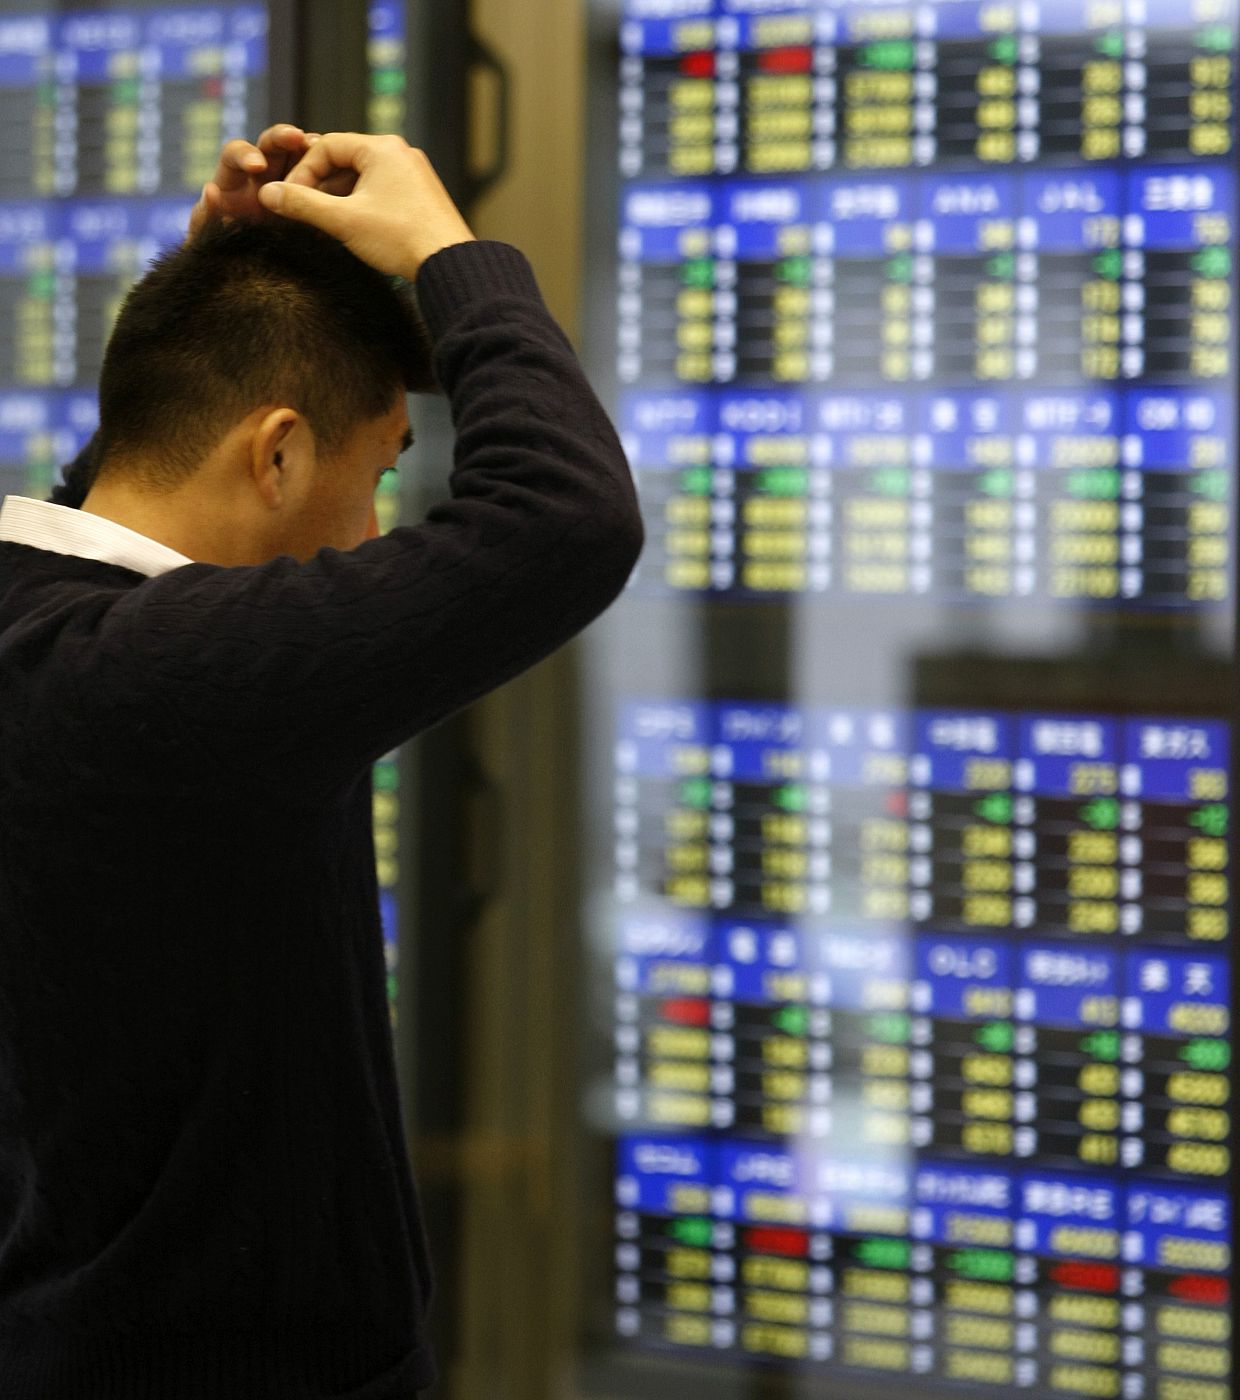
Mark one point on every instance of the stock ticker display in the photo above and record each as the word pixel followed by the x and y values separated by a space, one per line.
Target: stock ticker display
pixel 923 1031
pixel 931 299
pixel 113 121
pixel 388 56
pixel 922 1067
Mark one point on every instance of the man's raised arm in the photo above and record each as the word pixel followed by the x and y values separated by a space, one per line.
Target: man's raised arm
pixel 299 675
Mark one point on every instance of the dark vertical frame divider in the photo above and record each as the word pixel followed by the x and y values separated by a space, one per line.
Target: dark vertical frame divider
pixel 441 778
pixel 319 74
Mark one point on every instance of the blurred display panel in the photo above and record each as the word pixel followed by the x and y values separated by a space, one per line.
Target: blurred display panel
pixel 967 1114
pixel 970 336
pixel 387 828
pixel 919 1057
pixel 113 120
pixel 389 58
pixel 1073 826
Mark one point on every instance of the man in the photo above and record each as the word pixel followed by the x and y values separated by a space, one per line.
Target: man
pixel 204 1187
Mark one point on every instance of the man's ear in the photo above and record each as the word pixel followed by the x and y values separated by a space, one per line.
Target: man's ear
pixel 281 454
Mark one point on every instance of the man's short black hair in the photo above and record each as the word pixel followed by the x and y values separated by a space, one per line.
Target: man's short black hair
pixel 247 315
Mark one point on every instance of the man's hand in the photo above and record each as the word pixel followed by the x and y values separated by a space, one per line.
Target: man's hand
pixel 232 193
pixel 377 195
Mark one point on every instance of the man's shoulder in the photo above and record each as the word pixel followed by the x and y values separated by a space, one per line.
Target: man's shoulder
pixel 50 603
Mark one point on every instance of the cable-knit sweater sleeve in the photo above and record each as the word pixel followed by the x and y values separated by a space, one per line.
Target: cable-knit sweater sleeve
pixel 304 674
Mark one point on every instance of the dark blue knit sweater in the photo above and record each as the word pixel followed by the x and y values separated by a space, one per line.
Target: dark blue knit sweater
pixel 205 1190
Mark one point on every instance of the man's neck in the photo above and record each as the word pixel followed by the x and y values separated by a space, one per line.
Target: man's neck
pixel 178 521
pixel 123 508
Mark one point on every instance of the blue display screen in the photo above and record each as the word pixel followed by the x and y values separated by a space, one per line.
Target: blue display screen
pixel 113 121
pixel 1015 222
pixel 916 718
pixel 923 1028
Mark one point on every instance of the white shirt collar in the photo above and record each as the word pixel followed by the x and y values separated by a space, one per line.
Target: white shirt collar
pixel 63 530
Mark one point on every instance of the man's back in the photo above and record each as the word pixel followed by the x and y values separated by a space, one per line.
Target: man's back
pixel 197 1080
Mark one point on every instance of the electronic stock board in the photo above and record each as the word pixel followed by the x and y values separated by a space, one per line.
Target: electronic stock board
pixel 911 737
pixel 113 120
